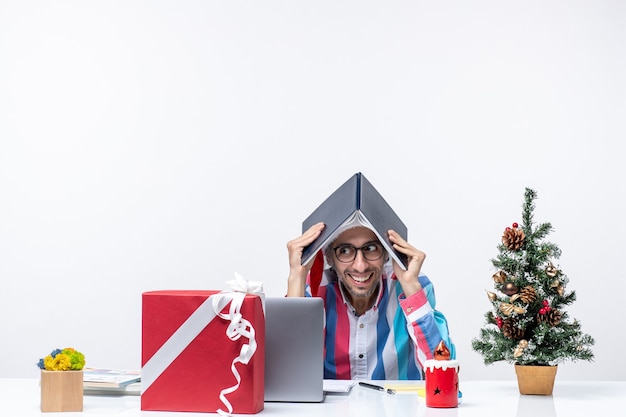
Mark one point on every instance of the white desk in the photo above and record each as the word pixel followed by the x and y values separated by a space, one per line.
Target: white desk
pixel 20 398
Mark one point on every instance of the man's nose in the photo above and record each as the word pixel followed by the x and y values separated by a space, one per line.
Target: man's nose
pixel 359 260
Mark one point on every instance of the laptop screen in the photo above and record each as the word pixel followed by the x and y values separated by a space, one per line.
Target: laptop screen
pixel 294 349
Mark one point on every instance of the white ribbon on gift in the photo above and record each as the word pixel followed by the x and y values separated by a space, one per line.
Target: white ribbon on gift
pixel 237 328
pixel 198 320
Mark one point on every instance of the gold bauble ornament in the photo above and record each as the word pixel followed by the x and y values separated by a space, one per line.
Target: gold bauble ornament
pixel 509 289
pixel 551 270
pixel 556 286
pixel 519 349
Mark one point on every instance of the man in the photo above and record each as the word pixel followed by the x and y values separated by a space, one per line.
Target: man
pixel 381 321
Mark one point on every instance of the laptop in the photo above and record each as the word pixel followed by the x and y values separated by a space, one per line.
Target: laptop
pixel 294 349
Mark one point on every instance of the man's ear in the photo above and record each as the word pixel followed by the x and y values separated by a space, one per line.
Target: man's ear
pixel 328 255
pixel 331 262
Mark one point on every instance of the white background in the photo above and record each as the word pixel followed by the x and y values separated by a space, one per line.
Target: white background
pixel 169 144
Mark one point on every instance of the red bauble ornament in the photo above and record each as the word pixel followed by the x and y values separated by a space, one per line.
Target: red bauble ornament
pixel 499 322
pixel 515 225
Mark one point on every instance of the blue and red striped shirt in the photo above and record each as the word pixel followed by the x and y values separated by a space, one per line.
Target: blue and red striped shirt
pixel 389 341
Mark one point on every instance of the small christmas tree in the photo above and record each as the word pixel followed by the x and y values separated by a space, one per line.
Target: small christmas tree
pixel 528 324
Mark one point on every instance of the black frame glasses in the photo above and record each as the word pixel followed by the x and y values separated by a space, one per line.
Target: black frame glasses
pixel 346 253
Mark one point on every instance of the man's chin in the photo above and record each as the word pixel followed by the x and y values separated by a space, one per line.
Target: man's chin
pixel 360 294
pixel 360 291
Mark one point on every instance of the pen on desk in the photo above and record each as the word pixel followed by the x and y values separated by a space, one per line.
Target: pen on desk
pixel 377 387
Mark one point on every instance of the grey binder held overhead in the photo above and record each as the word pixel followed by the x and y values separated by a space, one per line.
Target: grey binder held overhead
pixel 355 203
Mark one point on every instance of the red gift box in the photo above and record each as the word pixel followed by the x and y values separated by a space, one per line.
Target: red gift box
pixel 189 363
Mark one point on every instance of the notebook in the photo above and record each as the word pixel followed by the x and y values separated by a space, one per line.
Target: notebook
pixel 294 349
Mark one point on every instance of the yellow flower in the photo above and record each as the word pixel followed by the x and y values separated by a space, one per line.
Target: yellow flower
pixel 60 362
pixel 48 362
pixel 63 362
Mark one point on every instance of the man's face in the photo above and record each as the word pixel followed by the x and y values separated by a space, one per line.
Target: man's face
pixel 361 276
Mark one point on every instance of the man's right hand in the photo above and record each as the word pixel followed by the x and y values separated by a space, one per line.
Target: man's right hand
pixel 298 272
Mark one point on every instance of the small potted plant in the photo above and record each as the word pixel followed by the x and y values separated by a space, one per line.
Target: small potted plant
pixel 62 380
pixel 528 325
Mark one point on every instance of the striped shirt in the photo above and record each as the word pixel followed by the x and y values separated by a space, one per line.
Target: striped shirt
pixel 389 341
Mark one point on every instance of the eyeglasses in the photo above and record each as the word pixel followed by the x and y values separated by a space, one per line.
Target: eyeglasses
pixel 372 251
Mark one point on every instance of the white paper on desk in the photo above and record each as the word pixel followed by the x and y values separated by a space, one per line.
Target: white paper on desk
pixel 338 385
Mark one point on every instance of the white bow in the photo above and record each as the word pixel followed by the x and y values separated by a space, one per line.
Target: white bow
pixel 238 327
pixel 241 284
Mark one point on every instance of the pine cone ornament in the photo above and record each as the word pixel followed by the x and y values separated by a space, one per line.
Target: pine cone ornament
pixel 552 317
pixel 510 330
pixel 528 294
pixel 513 238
